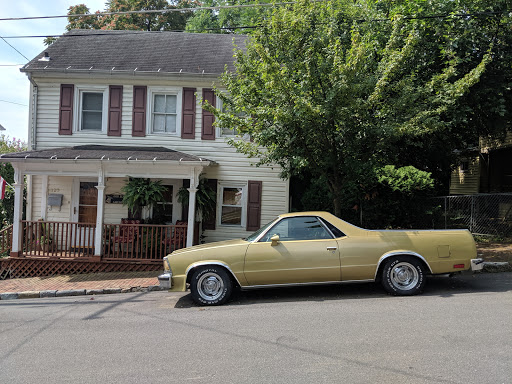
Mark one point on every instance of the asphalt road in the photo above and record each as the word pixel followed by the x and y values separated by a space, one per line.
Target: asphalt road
pixel 458 331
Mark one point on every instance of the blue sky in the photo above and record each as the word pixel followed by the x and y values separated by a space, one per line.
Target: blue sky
pixel 14 85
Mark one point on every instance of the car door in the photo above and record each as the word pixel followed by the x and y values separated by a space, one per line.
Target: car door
pixel 306 252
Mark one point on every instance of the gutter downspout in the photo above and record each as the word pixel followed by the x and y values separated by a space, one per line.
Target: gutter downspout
pixel 32 125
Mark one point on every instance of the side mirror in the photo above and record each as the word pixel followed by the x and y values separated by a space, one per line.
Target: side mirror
pixel 275 240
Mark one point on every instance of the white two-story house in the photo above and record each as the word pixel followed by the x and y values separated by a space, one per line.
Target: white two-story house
pixel 109 105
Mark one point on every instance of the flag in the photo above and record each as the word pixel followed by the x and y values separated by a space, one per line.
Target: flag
pixel 3 183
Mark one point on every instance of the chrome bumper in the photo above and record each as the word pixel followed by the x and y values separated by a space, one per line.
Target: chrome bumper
pixel 165 280
pixel 477 264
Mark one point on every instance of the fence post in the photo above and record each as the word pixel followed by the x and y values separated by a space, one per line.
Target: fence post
pixel 472 214
pixel 445 213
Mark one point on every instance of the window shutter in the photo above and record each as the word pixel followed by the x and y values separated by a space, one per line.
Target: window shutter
pixel 188 118
pixel 207 128
pixel 139 111
pixel 210 223
pixel 66 109
pixel 115 103
pixel 254 205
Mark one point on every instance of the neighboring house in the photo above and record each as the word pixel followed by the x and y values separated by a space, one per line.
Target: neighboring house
pixel 489 170
pixel 106 105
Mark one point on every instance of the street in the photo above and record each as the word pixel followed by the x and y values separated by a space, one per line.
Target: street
pixel 458 331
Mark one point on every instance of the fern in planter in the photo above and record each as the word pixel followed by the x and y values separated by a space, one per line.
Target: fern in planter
pixel 206 199
pixel 140 193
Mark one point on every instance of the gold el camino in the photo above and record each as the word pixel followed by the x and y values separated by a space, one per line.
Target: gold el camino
pixel 317 247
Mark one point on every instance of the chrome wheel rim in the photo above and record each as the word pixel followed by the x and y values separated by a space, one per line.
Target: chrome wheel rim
pixel 404 276
pixel 210 286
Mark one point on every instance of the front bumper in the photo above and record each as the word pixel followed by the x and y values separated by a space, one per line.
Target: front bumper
pixel 477 264
pixel 165 280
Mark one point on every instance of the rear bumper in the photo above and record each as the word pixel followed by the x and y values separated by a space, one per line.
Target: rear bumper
pixel 477 264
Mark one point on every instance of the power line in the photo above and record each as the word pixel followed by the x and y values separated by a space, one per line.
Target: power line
pixel 6 42
pixel 154 11
pixel 12 102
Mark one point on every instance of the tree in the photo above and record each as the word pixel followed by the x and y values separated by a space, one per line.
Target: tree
pixel 228 20
pixel 344 88
pixel 144 22
pixel 8 145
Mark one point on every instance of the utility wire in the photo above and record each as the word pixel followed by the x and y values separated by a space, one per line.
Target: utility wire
pixel 6 42
pixel 12 102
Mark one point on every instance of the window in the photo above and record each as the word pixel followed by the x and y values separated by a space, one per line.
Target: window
pixel 165 116
pixel 227 132
pixel 298 228
pixel 232 205
pixel 162 212
pixel 464 166
pixel 92 109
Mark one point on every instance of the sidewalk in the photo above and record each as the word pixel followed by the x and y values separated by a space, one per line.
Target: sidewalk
pixel 74 285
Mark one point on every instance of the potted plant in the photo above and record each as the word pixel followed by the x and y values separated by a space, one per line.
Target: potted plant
pixel 140 193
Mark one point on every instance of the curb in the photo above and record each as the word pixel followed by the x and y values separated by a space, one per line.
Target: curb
pixel 494 267
pixel 75 292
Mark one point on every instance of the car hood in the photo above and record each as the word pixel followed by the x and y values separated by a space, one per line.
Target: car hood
pixel 216 245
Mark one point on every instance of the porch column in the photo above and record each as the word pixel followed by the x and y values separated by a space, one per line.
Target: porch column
pixel 17 229
pixel 44 197
pixel 100 209
pixel 191 215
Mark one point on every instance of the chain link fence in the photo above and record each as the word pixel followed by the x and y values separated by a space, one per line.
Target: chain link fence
pixel 485 214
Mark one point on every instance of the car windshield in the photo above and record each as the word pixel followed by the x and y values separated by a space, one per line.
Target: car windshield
pixel 255 235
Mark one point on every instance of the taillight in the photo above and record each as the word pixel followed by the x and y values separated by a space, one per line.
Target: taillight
pixel 458 266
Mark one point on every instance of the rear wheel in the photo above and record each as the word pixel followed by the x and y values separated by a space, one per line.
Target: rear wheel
pixel 403 275
pixel 211 285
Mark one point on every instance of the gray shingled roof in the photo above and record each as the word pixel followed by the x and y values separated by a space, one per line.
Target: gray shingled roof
pixel 167 52
pixel 103 152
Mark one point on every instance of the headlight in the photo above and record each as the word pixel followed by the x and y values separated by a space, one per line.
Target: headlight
pixel 167 264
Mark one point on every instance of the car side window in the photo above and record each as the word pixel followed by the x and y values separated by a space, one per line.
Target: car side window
pixel 298 228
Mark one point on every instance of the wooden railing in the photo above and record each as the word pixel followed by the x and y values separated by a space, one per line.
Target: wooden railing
pixel 142 241
pixel 58 239
pixel 5 240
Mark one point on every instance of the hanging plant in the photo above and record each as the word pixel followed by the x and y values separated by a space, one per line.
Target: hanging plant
pixel 140 193
pixel 206 198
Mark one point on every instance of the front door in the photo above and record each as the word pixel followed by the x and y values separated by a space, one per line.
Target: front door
pixel 85 207
pixel 306 253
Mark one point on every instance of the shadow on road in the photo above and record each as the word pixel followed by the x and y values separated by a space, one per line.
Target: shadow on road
pixel 441 286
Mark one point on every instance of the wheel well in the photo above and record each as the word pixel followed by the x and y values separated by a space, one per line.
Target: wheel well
pixel 228 271
pixel 378 275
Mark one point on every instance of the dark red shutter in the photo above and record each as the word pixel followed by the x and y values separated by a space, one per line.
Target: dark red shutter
pixel 188 118
pixel 254 205
pixel 66 109
pixel 115 102
pixel 139 111
pixel 207 128
pixel 210 223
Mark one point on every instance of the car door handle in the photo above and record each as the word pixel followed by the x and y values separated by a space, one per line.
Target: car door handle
pixel 331 248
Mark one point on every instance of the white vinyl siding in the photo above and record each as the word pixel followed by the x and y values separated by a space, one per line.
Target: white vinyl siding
pixel 230 167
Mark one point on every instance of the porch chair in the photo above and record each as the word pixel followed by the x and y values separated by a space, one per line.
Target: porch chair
pixel 128 234
pixel 177 238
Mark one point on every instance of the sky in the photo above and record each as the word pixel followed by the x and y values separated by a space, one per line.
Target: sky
pixel 14 85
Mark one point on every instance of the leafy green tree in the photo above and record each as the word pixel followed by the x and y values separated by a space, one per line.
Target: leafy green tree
pixel 343 88
pixel 144 22
pixel 8 145
pixel 228 20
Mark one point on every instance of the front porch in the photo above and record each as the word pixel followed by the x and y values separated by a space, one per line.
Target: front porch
pixel 86 228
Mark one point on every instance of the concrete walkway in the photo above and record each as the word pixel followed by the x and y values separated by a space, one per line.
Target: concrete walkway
pixel 73 285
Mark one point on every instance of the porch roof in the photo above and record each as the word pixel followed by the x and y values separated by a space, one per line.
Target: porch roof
pixel 106 153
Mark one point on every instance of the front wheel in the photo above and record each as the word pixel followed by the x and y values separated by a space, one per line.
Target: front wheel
pixel 404 276
pixel 211 285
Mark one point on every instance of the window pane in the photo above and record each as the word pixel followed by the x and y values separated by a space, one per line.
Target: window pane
pixel 227 132
pixel 160 103
pixel 159 123
pixel 232 196
pixel 170 123
pixel 92 101
pixel 91 121
pixel 170 104
pixel 298 228
pixel 231 215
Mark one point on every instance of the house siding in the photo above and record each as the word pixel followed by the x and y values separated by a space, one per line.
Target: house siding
pixel 466 182
pixel 231 166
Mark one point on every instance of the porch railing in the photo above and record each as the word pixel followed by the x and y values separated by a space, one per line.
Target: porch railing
pixel 129 242
pixel 5 240
pixel 142 241
pixel 58 239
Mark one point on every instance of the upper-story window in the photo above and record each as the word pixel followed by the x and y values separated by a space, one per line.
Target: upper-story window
pixel 92 109
pixel 165 107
